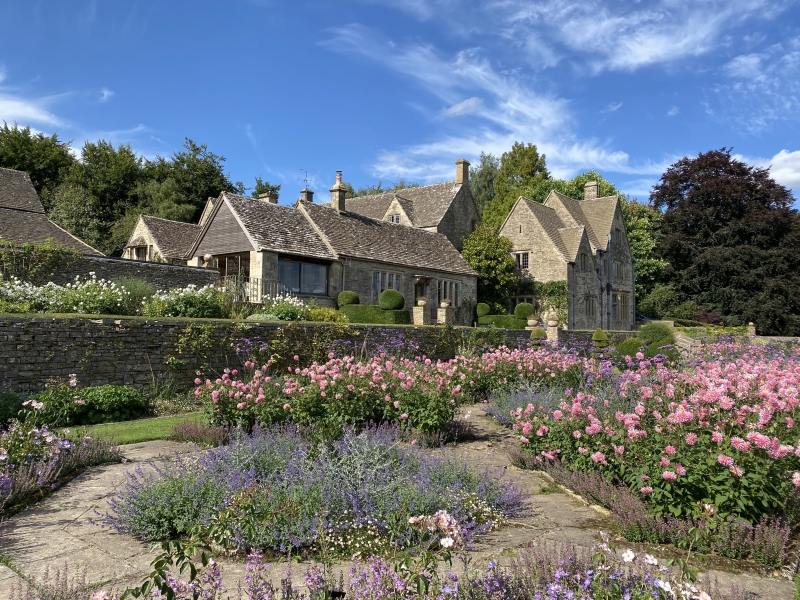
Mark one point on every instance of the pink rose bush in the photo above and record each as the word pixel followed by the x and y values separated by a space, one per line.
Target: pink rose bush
pixel 721 432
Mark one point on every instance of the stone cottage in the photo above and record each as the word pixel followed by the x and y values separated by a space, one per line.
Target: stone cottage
pixel 315 251
pixel 584 243
pixel 22 216
pixel 447 207
pixel 160 240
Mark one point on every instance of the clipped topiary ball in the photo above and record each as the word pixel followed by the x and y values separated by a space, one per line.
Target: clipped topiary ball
pixel 391 300
pixel 537 335
pixel 482 309
pixel 523 310
pixel 656 332
pixel 347 297
pixel 630 347
pixel 600 339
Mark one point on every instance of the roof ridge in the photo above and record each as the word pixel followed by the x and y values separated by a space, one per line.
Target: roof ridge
pixel 169 220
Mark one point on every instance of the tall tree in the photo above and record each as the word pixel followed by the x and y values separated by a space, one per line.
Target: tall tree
pixel 520 167
pixel 42 157
pixel 490 256
pixel 263 187
pixel 75 209
pixel 731 239
pixel 481 180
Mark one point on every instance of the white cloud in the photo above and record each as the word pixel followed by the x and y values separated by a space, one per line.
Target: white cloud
pixel 105 94
pixel 15 109
pixel 613 107
pixel 466 107
pixel 745 66
pixel 784 168
pixel 674 110
pixel 2 72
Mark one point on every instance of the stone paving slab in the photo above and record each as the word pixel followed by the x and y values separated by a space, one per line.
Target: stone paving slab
pixel 58 528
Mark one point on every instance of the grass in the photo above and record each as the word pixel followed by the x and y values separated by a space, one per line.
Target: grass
pixel 132 432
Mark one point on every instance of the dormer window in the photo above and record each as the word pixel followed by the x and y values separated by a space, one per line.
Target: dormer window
pixel 394 218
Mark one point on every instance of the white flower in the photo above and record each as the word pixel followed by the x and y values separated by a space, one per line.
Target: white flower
pixel 628 555
pixel 664 585
pixel 447 542
pixel 650 559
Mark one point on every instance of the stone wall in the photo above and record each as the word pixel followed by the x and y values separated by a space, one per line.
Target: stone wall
pixel 162 275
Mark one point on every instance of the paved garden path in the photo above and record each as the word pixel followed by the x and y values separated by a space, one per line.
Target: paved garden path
pixel 57 529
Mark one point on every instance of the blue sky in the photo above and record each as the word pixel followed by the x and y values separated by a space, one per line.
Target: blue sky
pixel 385 89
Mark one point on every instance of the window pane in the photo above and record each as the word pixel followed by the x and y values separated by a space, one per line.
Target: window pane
pixel 391 281
pixel 288 276
pixel 315 279
pixel 383 281
pixel 375 291
pixel 455 300
pixel 397 282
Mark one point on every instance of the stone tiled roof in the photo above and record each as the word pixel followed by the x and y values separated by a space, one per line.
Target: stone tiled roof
pixel 137 242
pixel 549 221
pixel 355 235
pixel 571 237
pixel 21 226
pixel 278 228
pixel 596 215
pixel 22 216
pixel 173 238
pixel 17 191
pixel 429 202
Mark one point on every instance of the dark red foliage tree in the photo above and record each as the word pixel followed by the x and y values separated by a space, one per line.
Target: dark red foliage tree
pixel 732 240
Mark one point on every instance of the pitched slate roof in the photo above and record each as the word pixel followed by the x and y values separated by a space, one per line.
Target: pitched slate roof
pixel 549 221
pixel 355 235
pixel 571 238
pixel 173 238
pixel 596 215
pixel 277 228
pixel 22 216
pixel 429 203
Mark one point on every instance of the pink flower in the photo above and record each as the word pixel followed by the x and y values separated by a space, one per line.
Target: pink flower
pixel 796 479
pixel 680 469
pixel 557 415
pixel 541 431
pixel 241 405
pixel 397 403
pixel 644 477
pixel 725 461
pixel 296 357
pixel 670 450
pixel 716 437
pixel 576 434
pixel 639 355
pixel 404 416
pixel 691 439
pixel 669 475
pixel 524 440
pixel 737 471
pixel 198 381
pixel 664 461
pixel 286 407
pixel 599 457
pixel 582 450
pixel 739 444
pixel 619 450
pixel 646 490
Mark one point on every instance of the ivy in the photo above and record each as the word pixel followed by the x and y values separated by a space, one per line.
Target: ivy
pixel 36 263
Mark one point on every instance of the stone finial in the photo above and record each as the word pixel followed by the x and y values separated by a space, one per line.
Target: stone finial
pixel 462 171
pixel 751 329
pixel 307 195
pixel 338 193
pixel 270 197
pixel 591 190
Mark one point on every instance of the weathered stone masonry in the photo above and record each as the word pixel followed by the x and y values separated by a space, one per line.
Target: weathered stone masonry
pixel 162 275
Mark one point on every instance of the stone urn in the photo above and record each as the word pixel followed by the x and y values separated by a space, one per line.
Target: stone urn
pixel 552 323
pixel 445 304
pixel 422 301
pixel 533 321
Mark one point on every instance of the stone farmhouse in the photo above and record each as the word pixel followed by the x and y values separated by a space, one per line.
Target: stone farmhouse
pixel 314 250
pixel 160 240
pixel 22 216
pixel 583 242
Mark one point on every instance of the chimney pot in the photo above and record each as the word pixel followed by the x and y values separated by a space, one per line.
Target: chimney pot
pixel 591 190
pixel 462 171
pixel 307 195
pixel 338 192
pixel 270 197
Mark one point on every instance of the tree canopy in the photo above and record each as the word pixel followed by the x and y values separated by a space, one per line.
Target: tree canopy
pixel 490 256
pixel 263 187
pixel 481 180
pixel 730 238
pixel 520 168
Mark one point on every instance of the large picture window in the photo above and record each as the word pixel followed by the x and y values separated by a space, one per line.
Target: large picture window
pixel 296 277
pixel 384 280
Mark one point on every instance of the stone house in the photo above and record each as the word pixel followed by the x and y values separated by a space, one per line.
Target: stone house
pixel 22 216
pixel 584 243
pixel 315 251
pixel 447 207
pixel 160 240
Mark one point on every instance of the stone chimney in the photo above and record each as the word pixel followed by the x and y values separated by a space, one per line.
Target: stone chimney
pixel 338 192
pixel 307 195
pixel 591 190
pixel 271 197
pixel 462 171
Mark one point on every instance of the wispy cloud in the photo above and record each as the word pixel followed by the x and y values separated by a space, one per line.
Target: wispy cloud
pixel 466 107
pixel 16 109
pixel 784 168
pixel 613 107
pixel 105 95
pixel 248 131
pixel 674 110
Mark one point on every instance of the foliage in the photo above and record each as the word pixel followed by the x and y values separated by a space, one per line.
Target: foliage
pixel 630 347
pixel 503 321
pixel 369 190
pixel 523 310
pixel 481 180
pixel 551 296
pixel 263 187
pixel 656 332
pixel 138 291
pixel 730 237
pixel 643 225
pixel 207 302
pixel 268 489
pixel 34 263
pixel 490 256
pixel 574 188
pixel 326 314
pixel 112 403
pixel 521 167
pixel 13 306
pixel 10 406
pixel 347 297
pixel 287 308
pixel 370 313
pixel 90 296
pixel 482 309
pixel 599 338
pixel 391 300
pixel 663 300
pixel 42 157
pixel 76 210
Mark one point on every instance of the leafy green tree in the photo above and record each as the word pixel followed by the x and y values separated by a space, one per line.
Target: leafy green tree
pixel 263 187
pixel 42 157
pixel 730 237
pixel 490 255
pixel 539 190
pixel 369 190
pixel 481 180
pixel 520 168
pixel 75 209
pixel 643 225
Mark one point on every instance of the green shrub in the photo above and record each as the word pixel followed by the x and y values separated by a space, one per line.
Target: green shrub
pixel 664 347
pixel 482 309
pixel 7 306
pixel 369 313
pixel 686 310
pixel 630 347
pixel 599 338
pixel 326 315
pixel 656 332
pixel 347 297
pixel 200 303
pixel 112 403
pixel 391 300
pixel 537 335
pixel 523 310
pixel 10 405
pixel 262 317
pixel 139 291
pixel 503 321
pixel 287 308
